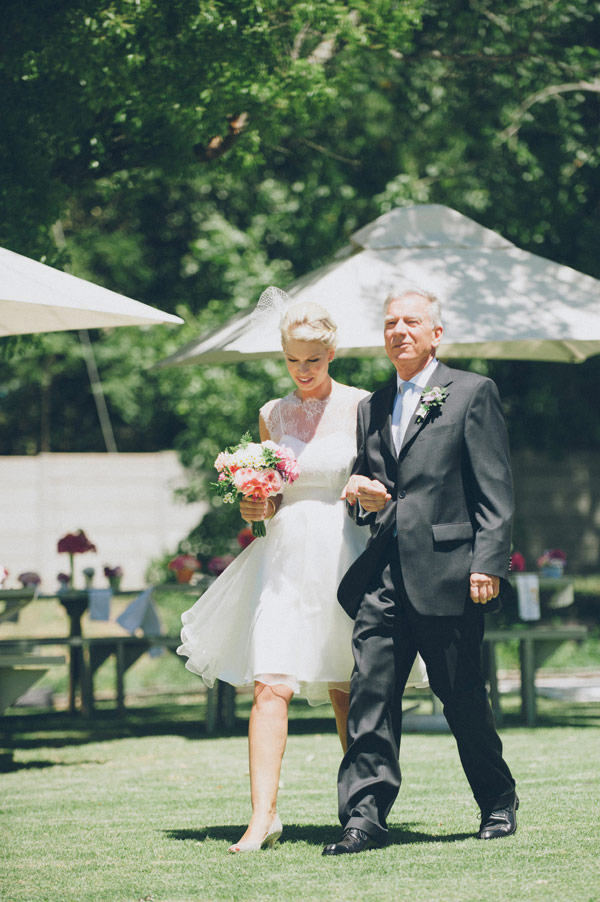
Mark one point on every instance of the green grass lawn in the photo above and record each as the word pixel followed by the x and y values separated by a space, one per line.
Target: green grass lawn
pixel 142 807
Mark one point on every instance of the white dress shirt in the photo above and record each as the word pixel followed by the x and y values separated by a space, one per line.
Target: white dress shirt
pixel 407 401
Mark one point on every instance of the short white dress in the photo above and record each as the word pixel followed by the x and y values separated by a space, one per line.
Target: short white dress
pixel 273 614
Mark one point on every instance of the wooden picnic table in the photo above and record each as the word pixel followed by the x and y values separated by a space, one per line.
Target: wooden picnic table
pixel 536 643
pixel 12 601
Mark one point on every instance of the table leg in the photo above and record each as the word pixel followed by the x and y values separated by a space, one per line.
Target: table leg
pixel 227 706
pixel 75 608
pixel 87 681
pixel 120 655
pixel 211 709
pixel 528 701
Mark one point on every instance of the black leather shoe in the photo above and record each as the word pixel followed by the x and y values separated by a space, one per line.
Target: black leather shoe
pixel 499 822
pixel 353 840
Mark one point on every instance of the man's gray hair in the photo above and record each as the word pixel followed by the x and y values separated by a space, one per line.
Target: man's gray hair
pixel 435 308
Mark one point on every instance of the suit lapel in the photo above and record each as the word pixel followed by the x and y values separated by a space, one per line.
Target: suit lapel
pixel 384 415
pixel 441 376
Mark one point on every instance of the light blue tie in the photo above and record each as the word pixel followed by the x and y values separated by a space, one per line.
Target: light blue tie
pixel 407 403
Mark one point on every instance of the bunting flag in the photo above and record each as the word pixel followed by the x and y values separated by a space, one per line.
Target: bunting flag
pixel 142 614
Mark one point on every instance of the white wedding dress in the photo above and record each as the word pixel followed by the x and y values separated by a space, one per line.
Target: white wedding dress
pixel 273 614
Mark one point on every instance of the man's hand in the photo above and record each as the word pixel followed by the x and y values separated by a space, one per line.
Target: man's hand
pixel 371 493
pixel 484 587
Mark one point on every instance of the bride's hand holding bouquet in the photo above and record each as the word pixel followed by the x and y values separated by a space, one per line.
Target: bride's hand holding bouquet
pixel 255 473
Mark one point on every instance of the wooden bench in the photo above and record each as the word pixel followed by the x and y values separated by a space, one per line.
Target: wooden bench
pixel 18 672
pixel 12 602
pixel 536 644
pixel 220 700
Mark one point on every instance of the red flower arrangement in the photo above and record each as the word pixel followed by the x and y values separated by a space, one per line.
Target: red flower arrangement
pixel 74 543
pixel 217 564
pixel 245 536
pixel 552 562
pixel 184 565
pixel 517 562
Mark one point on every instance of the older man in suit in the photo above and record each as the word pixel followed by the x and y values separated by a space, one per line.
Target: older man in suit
pixel 432 479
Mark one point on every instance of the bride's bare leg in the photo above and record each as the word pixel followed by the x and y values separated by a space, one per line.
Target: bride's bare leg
pixel 267 737
pixel 340 701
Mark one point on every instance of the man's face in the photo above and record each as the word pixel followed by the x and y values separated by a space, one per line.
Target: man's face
pixel 410 337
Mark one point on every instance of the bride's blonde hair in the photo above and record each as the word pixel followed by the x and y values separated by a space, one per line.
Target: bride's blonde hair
pixel 306 321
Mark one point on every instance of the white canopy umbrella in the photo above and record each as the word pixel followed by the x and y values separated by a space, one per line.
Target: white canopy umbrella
pixel 38 298
pixel 497 301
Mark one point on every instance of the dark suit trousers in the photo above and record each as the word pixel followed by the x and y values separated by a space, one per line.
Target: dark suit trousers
pixel 387 634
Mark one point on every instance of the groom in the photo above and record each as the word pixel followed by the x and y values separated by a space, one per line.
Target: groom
pixel 432 479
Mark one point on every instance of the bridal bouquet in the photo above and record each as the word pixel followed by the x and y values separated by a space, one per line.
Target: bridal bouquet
pixel 254 471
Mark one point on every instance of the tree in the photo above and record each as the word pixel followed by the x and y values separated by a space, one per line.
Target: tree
pixel 335 115
pixel 115 91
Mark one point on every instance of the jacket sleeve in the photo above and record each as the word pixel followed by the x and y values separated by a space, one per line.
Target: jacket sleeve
pixel 360 467
pixel 489 478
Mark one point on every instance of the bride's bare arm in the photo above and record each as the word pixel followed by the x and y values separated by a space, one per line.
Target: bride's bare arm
pixel 260 510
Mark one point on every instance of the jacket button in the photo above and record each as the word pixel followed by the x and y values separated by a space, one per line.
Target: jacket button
pixel 402 494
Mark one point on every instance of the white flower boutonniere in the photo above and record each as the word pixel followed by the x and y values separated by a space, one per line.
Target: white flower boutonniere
pixel 431 399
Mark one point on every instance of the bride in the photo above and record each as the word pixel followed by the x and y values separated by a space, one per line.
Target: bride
pixel 272 618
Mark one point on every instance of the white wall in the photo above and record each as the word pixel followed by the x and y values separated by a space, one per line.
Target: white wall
pixel 123 502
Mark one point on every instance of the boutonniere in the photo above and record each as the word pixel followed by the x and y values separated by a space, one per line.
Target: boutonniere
pixel 431 400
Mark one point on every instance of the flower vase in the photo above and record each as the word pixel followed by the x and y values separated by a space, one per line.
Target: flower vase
pixel 553 571
pixel 184 575
pixel 115 583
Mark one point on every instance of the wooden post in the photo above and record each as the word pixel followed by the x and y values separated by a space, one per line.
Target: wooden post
pixel 227 706
pixel 87 680
pixel 528 702
pixel 210 717
pixel 120 662
pixel 75 604
pixel 436 705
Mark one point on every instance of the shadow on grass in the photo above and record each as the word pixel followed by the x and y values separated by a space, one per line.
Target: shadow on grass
pixel 41 729
pixel 316 835
pixel 56 729
pixel 10 766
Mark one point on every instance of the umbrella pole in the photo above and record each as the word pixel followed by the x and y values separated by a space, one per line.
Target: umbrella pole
pixel 96 385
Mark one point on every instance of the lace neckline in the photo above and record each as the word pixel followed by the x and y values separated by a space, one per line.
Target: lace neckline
pixel 291 416
pixel 312 404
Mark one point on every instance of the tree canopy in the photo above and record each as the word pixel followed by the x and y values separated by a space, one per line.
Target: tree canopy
pixel 189 154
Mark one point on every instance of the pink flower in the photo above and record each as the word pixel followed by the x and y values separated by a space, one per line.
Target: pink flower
pixel 185 562
pixel 255 471
pixel 216 565
pixel 288 464
pixel 554 557
pixel 259 484
pixel 221 461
